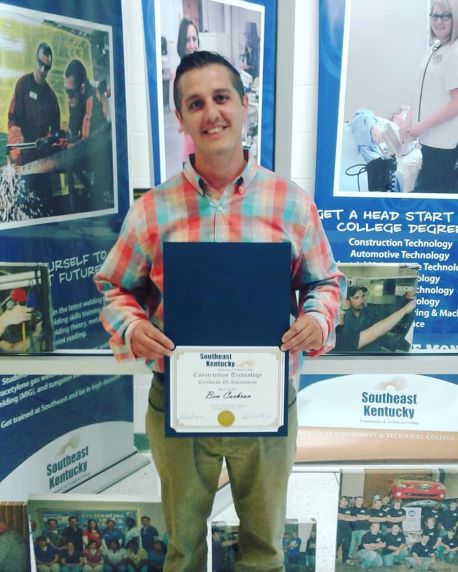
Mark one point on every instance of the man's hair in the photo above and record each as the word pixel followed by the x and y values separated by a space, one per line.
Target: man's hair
pixel 77 71
pixel 45 48
pixel 182 34
pixel 198 60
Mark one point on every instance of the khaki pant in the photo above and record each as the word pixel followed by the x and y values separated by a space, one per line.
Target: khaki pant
pixel 189 469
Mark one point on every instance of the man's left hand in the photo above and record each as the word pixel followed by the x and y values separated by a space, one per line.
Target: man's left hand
pixel 304 335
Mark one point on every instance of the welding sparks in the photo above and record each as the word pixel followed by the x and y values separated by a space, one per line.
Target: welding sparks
pixel 17 202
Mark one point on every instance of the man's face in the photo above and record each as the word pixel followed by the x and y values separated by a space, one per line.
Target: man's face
pixel 52 524
pixel 375 527
pixel 42 67
pixel 359 502
pixel 145 521
pixel 377 504
pixel 212 112
pixel 358 301
pixel 73 522
pixel 110 524
pixel 344 502
pixel 395 529
pixel 72 90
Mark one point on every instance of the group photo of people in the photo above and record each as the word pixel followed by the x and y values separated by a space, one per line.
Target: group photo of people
pixel 398 127
pixel 404 520
pixel 299 546
pixel 98 539
pixel 56 117
pixel 222 26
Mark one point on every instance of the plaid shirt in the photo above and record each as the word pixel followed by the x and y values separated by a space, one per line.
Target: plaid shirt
pixel 258 206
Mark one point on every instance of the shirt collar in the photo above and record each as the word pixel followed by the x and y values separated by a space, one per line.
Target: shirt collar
pixel 241 182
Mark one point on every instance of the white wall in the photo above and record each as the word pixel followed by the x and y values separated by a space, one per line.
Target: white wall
pixel 385 48
pixel 297 89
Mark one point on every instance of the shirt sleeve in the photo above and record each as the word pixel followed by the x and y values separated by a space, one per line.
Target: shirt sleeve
pixel 320 283
pixel 123 281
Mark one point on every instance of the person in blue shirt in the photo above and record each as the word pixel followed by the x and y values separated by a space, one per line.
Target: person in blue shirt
pixel 110 533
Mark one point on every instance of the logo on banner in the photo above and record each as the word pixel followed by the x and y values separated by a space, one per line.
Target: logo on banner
pixel 71 463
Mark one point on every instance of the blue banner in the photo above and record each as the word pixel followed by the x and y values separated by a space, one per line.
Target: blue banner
pixel 378 196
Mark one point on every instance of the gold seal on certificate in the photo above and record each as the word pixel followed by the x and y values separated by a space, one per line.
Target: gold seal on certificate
pixel 227 389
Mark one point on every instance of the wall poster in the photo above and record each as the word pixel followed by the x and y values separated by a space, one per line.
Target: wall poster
pixel 63 195
pixel 242 31
pixel 386 182
pixel 377 417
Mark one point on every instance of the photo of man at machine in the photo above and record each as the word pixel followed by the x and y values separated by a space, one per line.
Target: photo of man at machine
pixel 377 315
pixel 55 118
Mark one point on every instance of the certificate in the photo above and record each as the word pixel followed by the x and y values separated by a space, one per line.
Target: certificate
pixel 225 389
pixel 231 301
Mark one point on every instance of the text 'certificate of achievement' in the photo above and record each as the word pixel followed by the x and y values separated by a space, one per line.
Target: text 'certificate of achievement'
pixel 226 307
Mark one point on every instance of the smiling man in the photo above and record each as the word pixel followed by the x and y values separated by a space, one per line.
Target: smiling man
pixel 222 195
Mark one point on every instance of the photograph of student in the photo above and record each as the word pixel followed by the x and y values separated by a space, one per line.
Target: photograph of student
pixel 33 117
pixel 55 117
pixel 434 117
pixel 368 327
pixel 399 121
pixel 232 30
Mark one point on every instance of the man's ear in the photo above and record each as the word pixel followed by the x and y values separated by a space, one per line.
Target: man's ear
pixel 245 107
pixel 180 121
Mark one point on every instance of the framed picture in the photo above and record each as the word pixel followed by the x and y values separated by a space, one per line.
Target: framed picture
pixel 242 31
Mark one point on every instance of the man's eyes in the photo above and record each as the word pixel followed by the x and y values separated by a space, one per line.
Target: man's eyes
pixel 198 104
pixel 195 105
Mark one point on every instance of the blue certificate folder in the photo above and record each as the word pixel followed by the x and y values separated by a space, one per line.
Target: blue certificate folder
pixel 226 294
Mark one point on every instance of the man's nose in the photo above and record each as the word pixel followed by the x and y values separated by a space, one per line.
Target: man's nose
pixel 212 112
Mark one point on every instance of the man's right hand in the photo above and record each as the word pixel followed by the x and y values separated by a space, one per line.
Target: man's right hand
pixel 147 341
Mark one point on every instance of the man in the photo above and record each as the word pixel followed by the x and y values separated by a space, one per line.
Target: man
pixel 359 526
pixel 73 533
pixel 149 534
pixel 110 533
pixel 52 533
pixel 221 195
pixel 368 327
pixel 395 550
pixel 422 556
pixel 396 514
pixel 376 513
pixel 448 519
pixel 372 545
pixel 46 556
pixel 448 549
pixel 345 520
pixel 33 117
pixel 13 551
pixel 87 127
pixel 34 111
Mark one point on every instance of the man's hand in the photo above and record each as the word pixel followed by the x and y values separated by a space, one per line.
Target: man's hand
pixel 149 342
pixel 304 335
